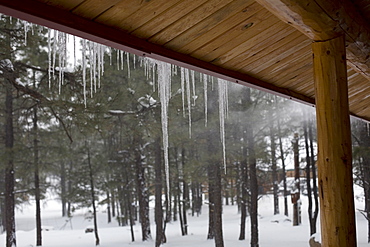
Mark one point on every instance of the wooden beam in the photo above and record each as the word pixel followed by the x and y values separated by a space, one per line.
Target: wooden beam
pixel 52 17
pixel 334 144
pixel 326 19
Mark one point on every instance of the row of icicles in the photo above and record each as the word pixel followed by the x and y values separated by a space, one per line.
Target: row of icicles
pixel 90 56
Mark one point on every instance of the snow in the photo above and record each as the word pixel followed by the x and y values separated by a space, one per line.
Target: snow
pixel 274 230
pixel 118 112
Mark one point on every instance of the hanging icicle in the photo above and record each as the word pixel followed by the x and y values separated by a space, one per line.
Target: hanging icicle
pixel 222 106
pixel 193 86
pixel 183 90
pixel 205 90
pixel 54 49
pixel 128 64
pixel 90 63
pixel 84 69
pixel 164 90
pixel 74 52
pixel 188 97
pixel 49 57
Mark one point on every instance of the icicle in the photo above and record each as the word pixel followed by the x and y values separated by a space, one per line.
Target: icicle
pixel 122 58
pixel 183 90
pixel 62 45
pixel 193 85
pixel 205 90
pixel 118 52
pixel 110 55
pixel 153 70
pixel 164 88
pixel 222 106
pixel 55 46
pixel 99 48
pixel 102 50
pixel 60 66
pixel 227 99
pixel 84 68
pixel 49 56
pixel 74 52
pixel 128 65
pixel 94 53
pixel 91 69
pixel 188 97
pixel 174 69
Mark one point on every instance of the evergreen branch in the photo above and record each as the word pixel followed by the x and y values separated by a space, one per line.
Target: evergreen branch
pixel 62 122
pixel 9 74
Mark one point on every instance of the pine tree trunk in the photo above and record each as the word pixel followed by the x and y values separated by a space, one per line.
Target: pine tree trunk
pixel 37 179
pixel 63 189
pixel 296 192
pixel 211 204
pixel 9 159
pixel 274 171
pixel 175 200
pixel 178 207
pixel 243 198
pixel 9 169
pixel 130 207
pixel 185 194
pixel 113 204
pixel 143 198
pixel 200 198
pixel 365 171
pixel 132 222
pixel 284 171
pixel 158 195
pixel 69 189
pixel 219 241
pixel 109 215
pixel 253 188
pixel 97 240
pixel 314 178
pixel 2 202
pixel 308 178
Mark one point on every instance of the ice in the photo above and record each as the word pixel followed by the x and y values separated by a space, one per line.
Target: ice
pixel 84 69
pixel 222 106
pixel 128 64
pixel 183 90
pixel 188 97
pixel 193 85
pixel 164 88
pixel 205 89
pixel 49 57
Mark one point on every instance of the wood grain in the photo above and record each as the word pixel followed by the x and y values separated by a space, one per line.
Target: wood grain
pixel 334 144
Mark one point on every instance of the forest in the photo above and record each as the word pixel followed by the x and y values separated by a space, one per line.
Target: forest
pixel 99 126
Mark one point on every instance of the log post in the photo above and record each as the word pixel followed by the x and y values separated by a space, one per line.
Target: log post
pixel 334 144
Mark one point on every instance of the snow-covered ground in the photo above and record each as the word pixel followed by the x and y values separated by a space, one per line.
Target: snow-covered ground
pixel 273 230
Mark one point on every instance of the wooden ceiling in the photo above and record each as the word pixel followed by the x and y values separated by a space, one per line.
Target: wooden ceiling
pixel 238 40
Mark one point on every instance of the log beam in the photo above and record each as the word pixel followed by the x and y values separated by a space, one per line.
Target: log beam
pixel 334 144
pixel 326 19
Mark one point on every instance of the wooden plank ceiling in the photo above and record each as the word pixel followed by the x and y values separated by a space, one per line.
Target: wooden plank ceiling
pixel 237 39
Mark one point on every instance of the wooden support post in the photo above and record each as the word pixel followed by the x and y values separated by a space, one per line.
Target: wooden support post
pixel 334 144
